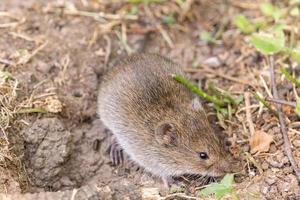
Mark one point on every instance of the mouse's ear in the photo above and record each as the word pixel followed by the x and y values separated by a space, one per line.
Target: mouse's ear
pixel 196 104
pixel 166 134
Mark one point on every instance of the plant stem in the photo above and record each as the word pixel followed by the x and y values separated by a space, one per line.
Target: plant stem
pixel 289 77
pixel 287 144
pixel 31 110
pixel 197 91
pixel 266 104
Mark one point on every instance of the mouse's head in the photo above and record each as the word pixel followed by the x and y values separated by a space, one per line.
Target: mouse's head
pixel 191 144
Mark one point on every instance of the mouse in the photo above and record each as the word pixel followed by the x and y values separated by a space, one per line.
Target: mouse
pixel 159 123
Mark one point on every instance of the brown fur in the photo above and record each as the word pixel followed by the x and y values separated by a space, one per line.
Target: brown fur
pixel 138 97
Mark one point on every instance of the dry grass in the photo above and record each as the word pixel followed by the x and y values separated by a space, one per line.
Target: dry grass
pixel 10 103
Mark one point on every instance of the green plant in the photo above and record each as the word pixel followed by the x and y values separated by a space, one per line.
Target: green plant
pixel 297 109
pixel 4 76
pixel 243 24
pixel 219 190
pixel 271 11
pixel 223 102
pixel 168 19
pixel 207 37
pixel 270 38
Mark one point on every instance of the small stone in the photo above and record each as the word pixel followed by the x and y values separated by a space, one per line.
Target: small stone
pixel 44 67
pixel 150 193
pixel 285 160
pixel 273 189
pixel 270 180
pixel 287 170
pixel 265 189
pixel 296 143
pixel 212 62
pixel 265 166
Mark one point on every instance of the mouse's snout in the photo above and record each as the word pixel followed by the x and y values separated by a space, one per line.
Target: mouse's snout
pixel 226 165
pixel 231 165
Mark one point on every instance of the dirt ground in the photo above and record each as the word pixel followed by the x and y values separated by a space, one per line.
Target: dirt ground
pixel 57 56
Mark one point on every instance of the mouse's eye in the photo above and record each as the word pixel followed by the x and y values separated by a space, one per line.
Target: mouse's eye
pixel 203 155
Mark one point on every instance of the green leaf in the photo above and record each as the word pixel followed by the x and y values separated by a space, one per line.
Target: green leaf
pixel 259 25
pixel 227 180
pixel 5 76
pixel 268 43
pixel 168 19
pixel 271 11
pixel 133 10
pixel 297 109
pixel 219 189
pixel 206 37
pixel 243 24
pixel 289 77
pixel 295 54
pixel 180 2
pixel 267 9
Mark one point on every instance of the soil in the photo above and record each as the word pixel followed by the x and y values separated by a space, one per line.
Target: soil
pixel 66 149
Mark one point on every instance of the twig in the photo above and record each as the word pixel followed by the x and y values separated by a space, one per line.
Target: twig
pixel 196 90
pixel 31 110
pixel 266 104
pixel 283 102
pixel 128 49
pixel 101 16
pixel 107 49
pixel 287 144
pixel 22 36
pixel 6 62
pixel 12 24
pixel 34 52
pixel 216 73
pixel 248 113
pixel 266 86
pixel 244 5
pixel 159 27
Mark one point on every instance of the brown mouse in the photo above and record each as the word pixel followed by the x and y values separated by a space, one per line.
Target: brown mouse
pixel 158 122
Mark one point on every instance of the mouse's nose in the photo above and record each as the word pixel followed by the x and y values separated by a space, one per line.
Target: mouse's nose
pixel 234 166
pixel 231 165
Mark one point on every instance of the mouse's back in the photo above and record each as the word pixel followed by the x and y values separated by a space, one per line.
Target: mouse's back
pixel 136 85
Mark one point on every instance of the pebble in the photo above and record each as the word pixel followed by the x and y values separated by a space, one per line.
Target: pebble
pixel 287 170
pixel 212 62
pixel 265 189
pixel 265 166
pixel 296 143
pixel 270 180
pixel 273 189
pixel 285 160
pixel 44 67
pixel 150 193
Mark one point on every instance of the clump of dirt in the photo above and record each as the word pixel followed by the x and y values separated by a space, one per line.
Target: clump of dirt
pixel 48 146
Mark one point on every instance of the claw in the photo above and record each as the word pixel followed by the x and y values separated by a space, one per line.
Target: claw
pixel 116 154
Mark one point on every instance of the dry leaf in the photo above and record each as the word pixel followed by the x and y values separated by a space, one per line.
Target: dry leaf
pixel 260 142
